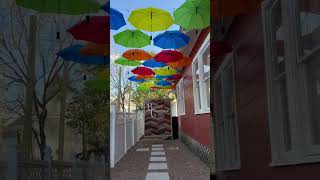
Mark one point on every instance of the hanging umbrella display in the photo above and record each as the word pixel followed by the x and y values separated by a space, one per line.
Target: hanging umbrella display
pixel 171 40
pixel 185 61
pixel 136 54
pixel 163 83
pixel 116 19
pixel 142 71
pixel 125 62
pixel 96 30
pixel 71 7
pixel 165 71
pixel 151 19
pixel 153 64
pixel 132 39
pixel 72 53
pixel 220 49
pixel 167 56
pixel 135 79
pixel 95 49
pixel 193 14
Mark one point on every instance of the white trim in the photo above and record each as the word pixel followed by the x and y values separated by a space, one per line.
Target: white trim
pixel 181 110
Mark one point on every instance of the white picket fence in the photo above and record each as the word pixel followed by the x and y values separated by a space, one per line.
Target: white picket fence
pixel 125 131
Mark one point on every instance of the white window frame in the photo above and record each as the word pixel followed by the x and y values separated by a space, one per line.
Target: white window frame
pixel 198 60
pixel 302 149
pixel 225 153
pixel 181 107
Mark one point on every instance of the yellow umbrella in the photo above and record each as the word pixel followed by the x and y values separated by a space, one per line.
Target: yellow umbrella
pixel 165 71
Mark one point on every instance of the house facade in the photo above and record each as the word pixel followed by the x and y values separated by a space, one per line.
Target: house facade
pixel 266 93
pixel 193 96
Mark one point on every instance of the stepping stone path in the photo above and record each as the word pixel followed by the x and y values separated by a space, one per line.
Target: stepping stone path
pixel 157 164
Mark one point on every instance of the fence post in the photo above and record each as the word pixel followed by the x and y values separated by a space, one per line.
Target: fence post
pixel 12 160
pixel 132 127
pixel 112 134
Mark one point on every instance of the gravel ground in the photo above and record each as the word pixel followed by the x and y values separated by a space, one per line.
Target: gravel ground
pixel 182 164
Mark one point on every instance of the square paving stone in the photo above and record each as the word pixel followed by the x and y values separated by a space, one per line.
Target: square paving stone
pixel 156 158
pixel 157 149
pixel 157 145
pixel 158 153
pixel 142 149
pixel 157 166
pixel 157 176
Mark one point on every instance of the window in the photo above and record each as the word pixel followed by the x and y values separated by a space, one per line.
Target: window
pixel 180 98
pixel 226 125
pixel 201 78
pixel 293 79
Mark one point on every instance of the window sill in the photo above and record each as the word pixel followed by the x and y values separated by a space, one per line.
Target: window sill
pixel 237 168
pixel 306 160
pixel 202 112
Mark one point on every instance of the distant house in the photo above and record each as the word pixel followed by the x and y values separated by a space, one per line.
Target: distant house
pixel 266 93
pixel 193 95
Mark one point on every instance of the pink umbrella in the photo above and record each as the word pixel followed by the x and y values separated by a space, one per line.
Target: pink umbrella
pixel 167 56
pixel 95 29
pixel 142 71
pixel 175 77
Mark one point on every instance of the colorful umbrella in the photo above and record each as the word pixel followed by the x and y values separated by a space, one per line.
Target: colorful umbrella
pixel 165 71
pixel 162 77
pixel 125 62
pixel 151 19
pixel 185 61
pixel 220 49
pixel 153 64
pixel 71 7
pixel 95 49
pixel 147 84
pixel 171 40
pixel 175 77
pixel 143 88
pixel 72 53
pixel 163 83
pixel 193 14
pixel 116 19
pixel 142 71
pixel 167 56
pixel 96 30
pixel 132 39
pixel 145 77
pixel 135 79
pixel 136 54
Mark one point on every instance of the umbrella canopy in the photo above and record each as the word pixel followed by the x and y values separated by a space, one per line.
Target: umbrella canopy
pixel 94 49
pixel 162 77
pixel 71 7
pixel 132 39
pixel 171 40
pixel 135 79
pixel 142 71
pixel 167 56
pixel 147 84
pixel 153 63
pixel 165 71
pixel 116 19
pixel 142 88
pixel 95 30
pixel 164 83
pixel 193 14
pixel 220 49
pixel 136 54
pixel 151 19
pixel 185 61
pixel 145 77
pixel 125 62
pixel 72 53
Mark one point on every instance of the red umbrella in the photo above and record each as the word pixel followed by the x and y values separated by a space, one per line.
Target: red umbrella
pixel 95 29
pixel 220 49
pixel 142 71
pixel 175 77
pixel 167 56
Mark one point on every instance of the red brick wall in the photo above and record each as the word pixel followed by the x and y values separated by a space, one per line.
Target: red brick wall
pixel 255 148
pixel 194 126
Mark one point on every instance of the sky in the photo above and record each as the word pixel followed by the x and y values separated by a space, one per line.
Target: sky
pixel 126 6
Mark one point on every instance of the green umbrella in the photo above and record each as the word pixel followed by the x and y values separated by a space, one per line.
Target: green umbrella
pixel 193 14
pixel 125 62
pixel 132 39
pixel 142 88
pixel 71 7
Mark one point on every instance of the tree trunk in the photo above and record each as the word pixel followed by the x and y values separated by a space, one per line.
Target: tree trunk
pixel 28 115
pixel 42 133
pixel 119 90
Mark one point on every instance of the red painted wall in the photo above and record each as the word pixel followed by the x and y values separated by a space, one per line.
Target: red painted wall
pixel 251 95
pixel 194 126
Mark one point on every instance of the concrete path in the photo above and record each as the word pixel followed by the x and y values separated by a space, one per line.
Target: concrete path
pixel 153 159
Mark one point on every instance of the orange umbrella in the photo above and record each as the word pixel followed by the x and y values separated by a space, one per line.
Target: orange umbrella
pixel 136 54
pixel 185 61
pixel 145 76
pixel 223 8
pixel 93 49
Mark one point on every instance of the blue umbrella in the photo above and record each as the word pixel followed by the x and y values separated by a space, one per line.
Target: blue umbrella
pixel 153 63
pixel 134 79
pixel 164 83
pixel 106 7
pixel 171 40
pixel 116 19
pixel 72 53
pixel 162 77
